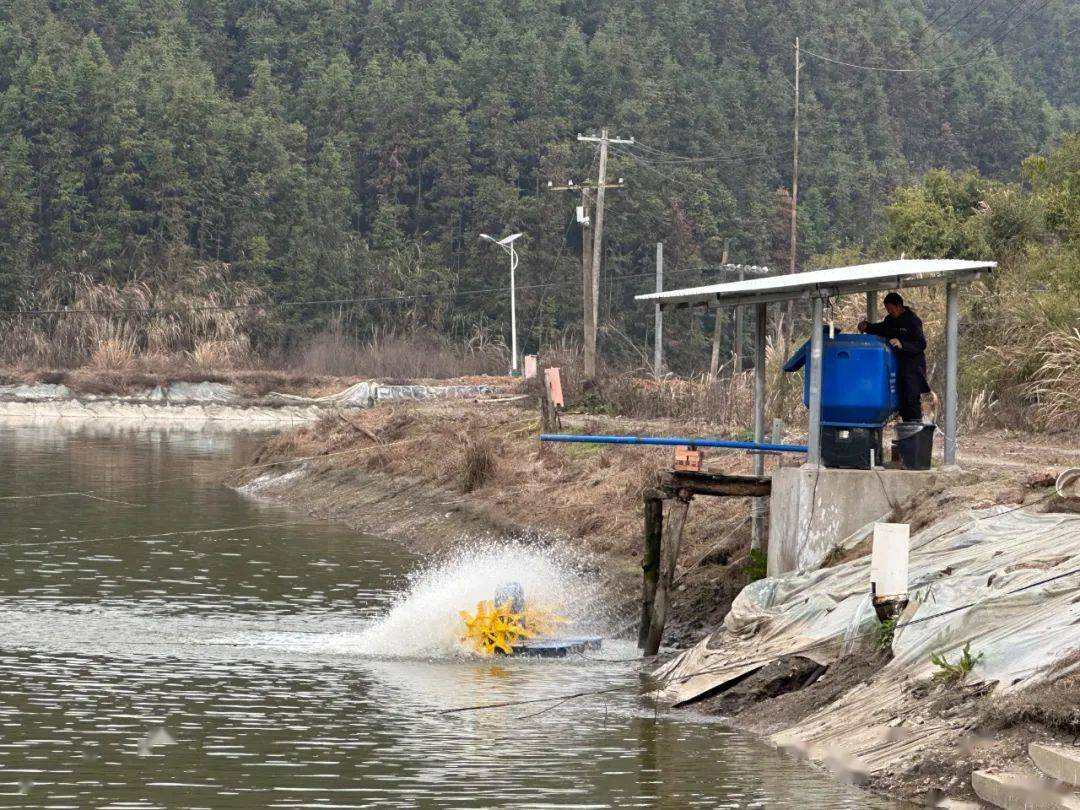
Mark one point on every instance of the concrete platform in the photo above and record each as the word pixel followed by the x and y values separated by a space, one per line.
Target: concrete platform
pixel 1058 761
pixel 1021 791
pixel 812 510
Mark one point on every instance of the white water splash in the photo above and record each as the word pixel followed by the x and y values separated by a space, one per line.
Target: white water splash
pixel 425 620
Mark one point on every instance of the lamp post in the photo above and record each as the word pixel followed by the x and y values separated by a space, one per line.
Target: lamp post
pixel 507 244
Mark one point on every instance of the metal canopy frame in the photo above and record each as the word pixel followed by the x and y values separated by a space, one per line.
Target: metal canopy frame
pixel 816 287
pixel 860 278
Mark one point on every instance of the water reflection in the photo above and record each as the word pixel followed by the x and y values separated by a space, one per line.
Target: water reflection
pixel 215 669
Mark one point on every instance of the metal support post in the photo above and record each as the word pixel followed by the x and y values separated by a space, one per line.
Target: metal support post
pixel 513 314
pixel 658 341
pixel 813 455
pixel 871 307
pixel 757 508
pixel 952 340
pixel 740 329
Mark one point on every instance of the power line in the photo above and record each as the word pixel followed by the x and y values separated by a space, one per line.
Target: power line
pixel 938 67
pixel 987 29
pixel 672 158
pixel 877 68
pixel 1012 28
pixel 286 304
pixel 978 53
pixel 922 48
pixel 944 10
pixel 684 186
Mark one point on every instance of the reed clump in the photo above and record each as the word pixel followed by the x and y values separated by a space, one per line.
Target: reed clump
pixel 479 464
pixel 202 318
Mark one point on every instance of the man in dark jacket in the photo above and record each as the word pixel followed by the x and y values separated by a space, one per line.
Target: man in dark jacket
pixel 904 331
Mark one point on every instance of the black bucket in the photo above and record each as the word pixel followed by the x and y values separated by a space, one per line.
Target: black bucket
pixel 914 445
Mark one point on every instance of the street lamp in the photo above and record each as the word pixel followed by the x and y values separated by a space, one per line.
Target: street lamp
pixel 507 244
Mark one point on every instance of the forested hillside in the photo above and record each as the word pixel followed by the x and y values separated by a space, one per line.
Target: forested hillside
pixel 340 149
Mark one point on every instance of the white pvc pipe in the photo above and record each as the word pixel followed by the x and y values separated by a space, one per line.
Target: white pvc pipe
pixel 889 559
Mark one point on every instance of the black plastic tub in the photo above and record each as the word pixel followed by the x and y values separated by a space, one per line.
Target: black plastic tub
pixel 914 445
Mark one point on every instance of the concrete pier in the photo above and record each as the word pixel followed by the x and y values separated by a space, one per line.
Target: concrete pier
pixel 813 509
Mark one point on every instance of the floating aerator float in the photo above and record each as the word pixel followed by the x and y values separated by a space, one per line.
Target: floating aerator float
pixel 508 625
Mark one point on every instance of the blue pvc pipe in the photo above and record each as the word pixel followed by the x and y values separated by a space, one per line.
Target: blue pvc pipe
pixel 760 447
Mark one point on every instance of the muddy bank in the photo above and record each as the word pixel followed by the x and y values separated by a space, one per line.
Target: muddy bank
pixel 982 730
pixel 419 515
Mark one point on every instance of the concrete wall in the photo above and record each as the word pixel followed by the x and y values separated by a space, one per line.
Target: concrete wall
pixel 813 510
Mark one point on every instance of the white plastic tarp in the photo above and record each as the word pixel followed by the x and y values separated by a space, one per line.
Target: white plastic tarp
pixel 35 391
pixel 1007 582
pixel 367 394
pixel 359 395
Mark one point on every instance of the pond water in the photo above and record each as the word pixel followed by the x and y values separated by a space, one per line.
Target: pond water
pixel 168 642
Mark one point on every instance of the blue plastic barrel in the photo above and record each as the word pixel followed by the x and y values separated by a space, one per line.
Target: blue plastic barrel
pixel 858 380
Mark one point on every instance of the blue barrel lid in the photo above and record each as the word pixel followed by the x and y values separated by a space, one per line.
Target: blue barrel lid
pixel 798 360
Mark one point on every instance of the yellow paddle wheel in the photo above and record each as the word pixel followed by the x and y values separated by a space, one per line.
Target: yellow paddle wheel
pixel 499 629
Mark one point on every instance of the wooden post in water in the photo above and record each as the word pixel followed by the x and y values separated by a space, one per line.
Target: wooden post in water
pixel 650 563
pixel 672 534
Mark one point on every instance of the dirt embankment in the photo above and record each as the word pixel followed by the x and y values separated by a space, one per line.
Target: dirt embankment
pixel 432 472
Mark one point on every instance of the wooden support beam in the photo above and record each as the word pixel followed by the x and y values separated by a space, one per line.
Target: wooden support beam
pixel 650 563
pixel 717 484
pixel 672 539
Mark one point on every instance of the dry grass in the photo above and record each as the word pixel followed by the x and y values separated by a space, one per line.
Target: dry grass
pixel 1056 383
pixel 221 354
pixel 114 354
pixel 204 315
pixel 1055 705
pixel 478 465
pixel 396 356
pixel 726 404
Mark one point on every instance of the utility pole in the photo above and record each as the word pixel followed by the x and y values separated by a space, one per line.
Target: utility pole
pixel 598 240
pixel 588 309
pixel 794 190
pixel 658 340
pixel 589 286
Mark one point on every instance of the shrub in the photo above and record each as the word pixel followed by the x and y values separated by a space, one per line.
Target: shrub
pixel 478 466
pixel 948 672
